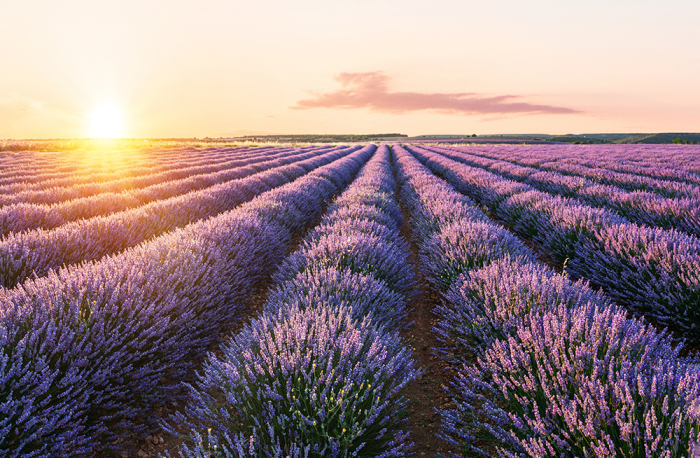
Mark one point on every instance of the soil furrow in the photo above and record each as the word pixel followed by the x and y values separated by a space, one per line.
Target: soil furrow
pixel 428 391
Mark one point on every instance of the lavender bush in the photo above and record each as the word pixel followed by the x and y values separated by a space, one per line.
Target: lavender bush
pixel 579 382
pixel 465 245
pixel 490 304
pixel 314 383
pixel 653 271
pixel 362 212
pixel 361 294
pixel 359 253
pixel 375 225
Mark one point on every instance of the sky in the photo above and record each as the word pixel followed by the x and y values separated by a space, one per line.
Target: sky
pixel 176 68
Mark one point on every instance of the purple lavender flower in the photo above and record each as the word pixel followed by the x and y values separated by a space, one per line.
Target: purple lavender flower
pixel 579 382
pixel 490 303
pixel 312 379
pixel 359 253
pixel 465 245
pixel 363 294
pixel 653 271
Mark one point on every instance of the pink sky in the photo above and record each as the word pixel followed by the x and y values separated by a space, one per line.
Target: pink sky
pixel 220 68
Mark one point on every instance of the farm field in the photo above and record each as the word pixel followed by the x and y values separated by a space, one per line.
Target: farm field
pixel 351 300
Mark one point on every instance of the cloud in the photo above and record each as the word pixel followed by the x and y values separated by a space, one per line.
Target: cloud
pixel 370 90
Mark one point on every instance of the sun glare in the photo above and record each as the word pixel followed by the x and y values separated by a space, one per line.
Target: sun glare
pixel 106 121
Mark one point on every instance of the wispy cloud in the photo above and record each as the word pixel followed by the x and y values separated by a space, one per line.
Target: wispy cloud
pixel 370 90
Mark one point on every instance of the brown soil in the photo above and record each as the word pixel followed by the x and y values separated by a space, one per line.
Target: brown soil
pixel 427 392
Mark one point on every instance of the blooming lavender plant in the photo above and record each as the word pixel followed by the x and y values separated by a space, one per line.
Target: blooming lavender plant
pixel 361 212
pixel 361 294
pixel 335 225
pixel 312 382
pixel 374 193
pixel 490 304
pixel 465 245
pixel 655 272
pixel 359 253
pixel 579 382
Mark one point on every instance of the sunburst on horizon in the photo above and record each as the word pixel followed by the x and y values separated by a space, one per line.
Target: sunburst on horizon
pixel 106 121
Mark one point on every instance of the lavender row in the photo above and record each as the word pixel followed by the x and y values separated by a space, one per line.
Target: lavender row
pixel 529 345
pixel 127 168
pixel 319 373
pixel 640 207
pixel 40 251
pixel 512 161
pixel 667 162
pixel 56 194
pixel 92 350
pixel 106 174
pixel 654 272
pixel 662 162
pixel 57 165
pixel 38 167
pixel 48 161
pixel 630 165
pixel 24 216
pixel 550 158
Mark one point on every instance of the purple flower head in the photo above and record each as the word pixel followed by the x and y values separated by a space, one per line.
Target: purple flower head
pixel 653 271
pixel 324 287
pixel 359 253
pixel 463 246
pixel 491 303
pixel 580 382
pixel 307 379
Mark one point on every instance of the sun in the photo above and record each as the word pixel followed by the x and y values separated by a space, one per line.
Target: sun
pixel 106 121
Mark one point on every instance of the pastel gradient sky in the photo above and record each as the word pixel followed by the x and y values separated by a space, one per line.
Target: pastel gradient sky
pixel 224 68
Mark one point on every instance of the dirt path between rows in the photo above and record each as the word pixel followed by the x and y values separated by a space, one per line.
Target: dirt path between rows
pixel 428 391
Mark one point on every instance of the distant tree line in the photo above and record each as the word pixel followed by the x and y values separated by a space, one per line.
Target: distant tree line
pixel 680 141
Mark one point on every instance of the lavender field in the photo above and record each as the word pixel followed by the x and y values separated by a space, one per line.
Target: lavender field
pixel 355 300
